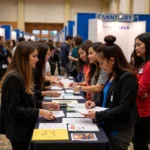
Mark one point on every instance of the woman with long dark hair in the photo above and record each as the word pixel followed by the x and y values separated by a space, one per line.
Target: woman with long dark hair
pixel 118 95
pixel 142 65
pixel 19 108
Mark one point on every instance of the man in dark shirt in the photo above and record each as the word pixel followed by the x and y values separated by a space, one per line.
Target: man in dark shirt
pixel 64 53
pixel 3 57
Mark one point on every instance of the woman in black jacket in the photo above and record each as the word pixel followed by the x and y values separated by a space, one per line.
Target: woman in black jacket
pixel 19 108
pixel 119 96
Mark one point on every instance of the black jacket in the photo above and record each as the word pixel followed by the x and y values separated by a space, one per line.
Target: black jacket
pixel 3 58
pixel 19 111
pixel 121 101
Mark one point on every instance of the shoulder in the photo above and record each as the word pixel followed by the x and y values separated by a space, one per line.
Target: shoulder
pixel 13 78
pixel 127 77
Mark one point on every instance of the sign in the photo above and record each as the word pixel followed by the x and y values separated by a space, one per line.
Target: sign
pixel 115 17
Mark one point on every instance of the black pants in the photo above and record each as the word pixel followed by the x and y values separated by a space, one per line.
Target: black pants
pixel 141 134
pixel 122 139
pixel 19 145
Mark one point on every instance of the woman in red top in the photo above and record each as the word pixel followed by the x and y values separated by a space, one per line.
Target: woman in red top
pixel 142 63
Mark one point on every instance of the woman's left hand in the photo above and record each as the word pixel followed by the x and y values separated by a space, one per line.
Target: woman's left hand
pixel 53 105
pixel 90 114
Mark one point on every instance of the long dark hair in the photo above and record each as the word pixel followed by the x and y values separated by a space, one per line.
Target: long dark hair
pixel 42 51
pixel 20 64
pixel 145 38
pixel 81 63
pixel 110 49
pixel 94 69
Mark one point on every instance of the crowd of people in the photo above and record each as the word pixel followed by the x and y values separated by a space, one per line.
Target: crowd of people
pixel 101 72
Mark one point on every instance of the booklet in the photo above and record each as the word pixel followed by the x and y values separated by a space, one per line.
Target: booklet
pixel 83 137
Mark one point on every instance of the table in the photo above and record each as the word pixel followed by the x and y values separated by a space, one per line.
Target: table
pixel 102 143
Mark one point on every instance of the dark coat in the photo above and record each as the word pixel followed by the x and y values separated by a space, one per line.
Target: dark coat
pixel 121 101
pixel 19 111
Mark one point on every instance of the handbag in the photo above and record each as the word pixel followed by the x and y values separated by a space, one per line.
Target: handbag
pixel 71 66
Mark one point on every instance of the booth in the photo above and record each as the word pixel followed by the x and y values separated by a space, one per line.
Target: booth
pixel 70 28
pixel 82 21
pixel 14 35
pixel 17 33
pixel 2 32
pixel 125 33
pixel 8 31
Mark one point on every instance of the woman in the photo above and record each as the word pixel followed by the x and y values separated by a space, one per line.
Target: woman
pixel 19 108
pixel 142 63
pixel 8 47
pixel 97 77
pixel 118 95
pixel 39 73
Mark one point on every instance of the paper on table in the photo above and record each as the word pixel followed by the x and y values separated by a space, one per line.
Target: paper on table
pixel 61 92
pixel 52 126
pixel 67 94
pixel 65 101
pixel 58 114
pixel 73 97
pixel 50 134
pixel 70 109
pixel 74 115
pixel 85 111
pixel 77 120
pixel 49 97
pixel 83 127
pixel 56 88
pixel 83 136
pixel 69 91
pixel 79 105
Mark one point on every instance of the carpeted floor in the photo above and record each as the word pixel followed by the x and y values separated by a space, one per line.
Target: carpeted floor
pixel 4 143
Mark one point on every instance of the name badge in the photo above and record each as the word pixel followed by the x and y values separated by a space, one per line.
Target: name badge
pixel 140 71
pixel 111 98
pixel 4 66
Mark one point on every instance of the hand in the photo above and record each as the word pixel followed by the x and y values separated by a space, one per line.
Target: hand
pixel 54 94
pixel 89 104
pixel 90 114
pixel 76 88
pixel 46 114
pixel 52 105
pixel 73 84
pixel 58 83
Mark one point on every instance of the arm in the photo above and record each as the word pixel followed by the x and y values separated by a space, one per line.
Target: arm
pixel 128 91
pixel 144 82
pixel 14 98
pixel 92 89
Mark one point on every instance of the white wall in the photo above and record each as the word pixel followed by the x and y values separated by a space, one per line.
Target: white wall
pixel 44 11
pixel 111 6
pixel 8 10
pixel 138 6
pixel 123 6
pixel 84 6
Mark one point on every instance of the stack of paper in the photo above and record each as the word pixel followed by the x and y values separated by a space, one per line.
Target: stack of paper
pixel 50 98
pixel 56 88
pixel 85 111
pixel 65 101
pixel 83 127
pixel 58 114
pixel 77 120
pixel 74 115
pixel 73 97
pixel 52 126
pixel 79 105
